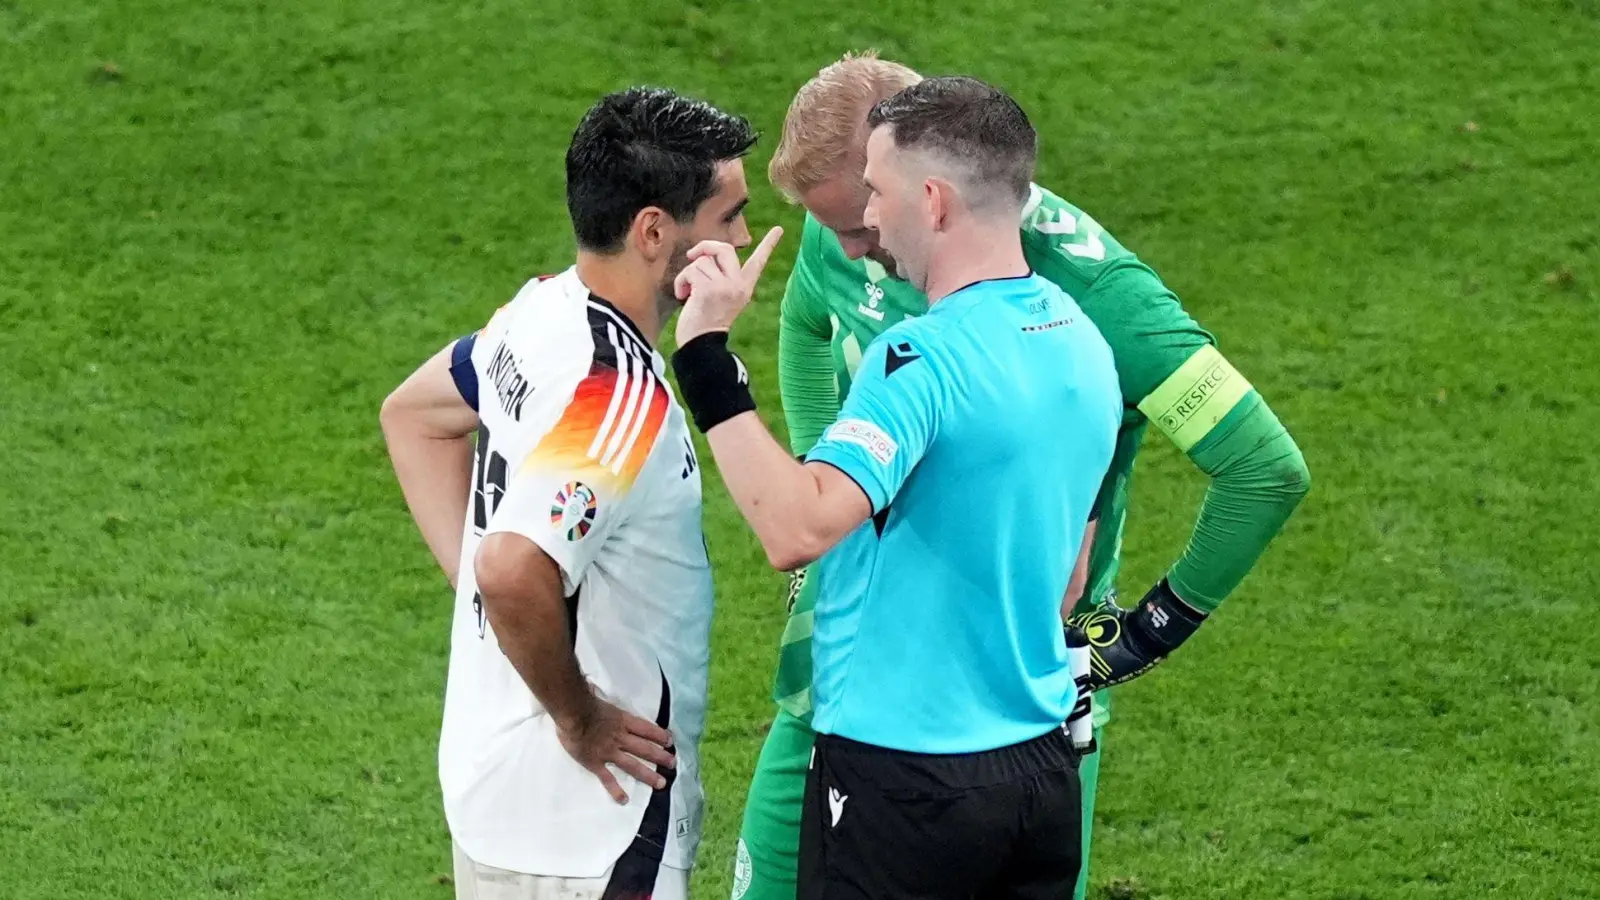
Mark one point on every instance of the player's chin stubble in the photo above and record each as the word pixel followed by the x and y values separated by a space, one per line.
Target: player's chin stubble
pixel 667 301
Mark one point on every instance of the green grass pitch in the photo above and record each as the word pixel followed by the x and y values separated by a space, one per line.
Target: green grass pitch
pixel 227 229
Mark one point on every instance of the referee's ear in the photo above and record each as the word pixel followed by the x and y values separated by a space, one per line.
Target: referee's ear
pixel 940 197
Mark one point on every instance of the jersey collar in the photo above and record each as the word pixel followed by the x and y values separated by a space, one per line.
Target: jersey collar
pixel 1009 279
pixel 622 319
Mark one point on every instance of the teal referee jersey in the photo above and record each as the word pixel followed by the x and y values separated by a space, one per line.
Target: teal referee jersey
pixel 980 432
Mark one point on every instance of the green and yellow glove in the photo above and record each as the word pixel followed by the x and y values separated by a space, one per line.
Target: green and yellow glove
pixel 1126 643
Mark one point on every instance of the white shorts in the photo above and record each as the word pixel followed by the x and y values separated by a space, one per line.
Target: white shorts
pixel 479 882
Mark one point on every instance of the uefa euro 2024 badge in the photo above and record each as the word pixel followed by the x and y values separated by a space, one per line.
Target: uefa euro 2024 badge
pixel 574 510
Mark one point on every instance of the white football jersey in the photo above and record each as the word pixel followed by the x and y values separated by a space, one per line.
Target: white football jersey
pixel 584 451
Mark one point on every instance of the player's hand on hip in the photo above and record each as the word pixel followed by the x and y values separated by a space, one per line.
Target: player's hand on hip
pixel 715 287
pixel 611 736
pixel 1124 643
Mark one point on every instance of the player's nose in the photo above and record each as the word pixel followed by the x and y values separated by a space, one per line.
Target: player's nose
pixel 855 247
pixel 741 233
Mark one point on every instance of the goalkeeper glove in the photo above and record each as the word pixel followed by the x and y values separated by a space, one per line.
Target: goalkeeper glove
pixel 1124 644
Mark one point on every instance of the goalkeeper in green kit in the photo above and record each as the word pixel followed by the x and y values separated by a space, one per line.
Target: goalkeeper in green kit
pixel 843 292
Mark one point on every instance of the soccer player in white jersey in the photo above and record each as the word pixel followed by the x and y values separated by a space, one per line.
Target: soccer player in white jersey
pixel 572 533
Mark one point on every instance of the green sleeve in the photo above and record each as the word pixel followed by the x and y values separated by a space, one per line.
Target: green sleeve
pixel 1170 368
pixel 1258 477
pixel 1150 334
pixel 807 381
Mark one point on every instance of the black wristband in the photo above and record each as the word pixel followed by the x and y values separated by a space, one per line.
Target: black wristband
pixel 713 381
pixel 1163 620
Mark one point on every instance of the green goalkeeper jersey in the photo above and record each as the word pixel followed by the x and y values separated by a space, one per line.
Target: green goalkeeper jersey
pixel 1168 368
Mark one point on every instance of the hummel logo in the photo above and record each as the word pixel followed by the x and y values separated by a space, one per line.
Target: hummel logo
pixel 874 297
pixel 836 805
pixel 899 355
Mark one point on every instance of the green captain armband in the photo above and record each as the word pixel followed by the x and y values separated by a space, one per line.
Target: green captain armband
pixel 1196 397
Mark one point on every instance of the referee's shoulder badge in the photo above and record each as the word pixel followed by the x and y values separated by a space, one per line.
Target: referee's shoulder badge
pixel 574 509
pixel 864 434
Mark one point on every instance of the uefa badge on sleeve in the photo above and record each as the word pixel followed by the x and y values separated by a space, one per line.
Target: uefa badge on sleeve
pixel 573 511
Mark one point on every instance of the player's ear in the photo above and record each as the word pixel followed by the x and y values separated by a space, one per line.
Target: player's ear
pixel 937 195
pixel 651 232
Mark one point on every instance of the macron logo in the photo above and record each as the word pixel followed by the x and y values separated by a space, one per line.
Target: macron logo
pixel 836 804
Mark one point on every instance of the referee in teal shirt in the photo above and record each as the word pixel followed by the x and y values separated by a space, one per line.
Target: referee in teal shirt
pixel 947 505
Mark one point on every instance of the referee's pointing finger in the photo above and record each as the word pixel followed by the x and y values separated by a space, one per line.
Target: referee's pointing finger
pixel 720 253
pixel 762 253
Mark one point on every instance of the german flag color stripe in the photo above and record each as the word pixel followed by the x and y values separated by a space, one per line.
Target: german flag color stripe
pixel 609 427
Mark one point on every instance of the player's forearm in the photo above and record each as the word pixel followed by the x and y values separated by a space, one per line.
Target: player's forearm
pixel 779 497
pixel 435 475
pixel 523 600
pixel 1079 582
pixel 806 383
pixel 426 423
pixel 1258 477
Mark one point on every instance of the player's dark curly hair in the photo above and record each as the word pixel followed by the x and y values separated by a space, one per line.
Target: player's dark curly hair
pixel 969 122
pixel 646 147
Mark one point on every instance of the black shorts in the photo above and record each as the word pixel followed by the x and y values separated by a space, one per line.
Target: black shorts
pixel 886 824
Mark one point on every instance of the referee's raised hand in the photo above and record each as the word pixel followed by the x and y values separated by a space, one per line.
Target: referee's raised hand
pixel 611 736
pixel 715 287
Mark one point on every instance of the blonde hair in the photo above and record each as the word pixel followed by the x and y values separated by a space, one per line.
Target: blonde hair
pixel 823 130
